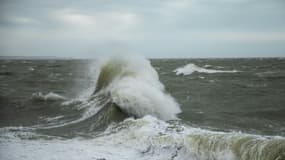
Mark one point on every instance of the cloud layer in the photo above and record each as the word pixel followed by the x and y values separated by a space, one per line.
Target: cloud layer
pixel 162 28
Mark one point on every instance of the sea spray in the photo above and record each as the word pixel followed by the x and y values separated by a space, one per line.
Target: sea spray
pixel 133 84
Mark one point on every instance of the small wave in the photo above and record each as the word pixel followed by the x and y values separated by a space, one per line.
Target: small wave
pixel 39 96
pixel 207 66
pixel 31 69
pixel 72 102
pixel 191 68
pixel 20 133
pixel 93 112
pixel 51 119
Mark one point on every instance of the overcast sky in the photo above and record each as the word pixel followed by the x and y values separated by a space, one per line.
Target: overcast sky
pixel 154 28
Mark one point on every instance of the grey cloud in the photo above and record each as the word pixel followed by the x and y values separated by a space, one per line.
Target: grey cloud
pixel 160 28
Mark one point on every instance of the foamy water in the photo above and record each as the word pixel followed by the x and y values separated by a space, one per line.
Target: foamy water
pixel 191 68
pixel 47 97
pixel 145 138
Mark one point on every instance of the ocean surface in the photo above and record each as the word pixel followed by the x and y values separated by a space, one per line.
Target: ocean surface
pixel 129 107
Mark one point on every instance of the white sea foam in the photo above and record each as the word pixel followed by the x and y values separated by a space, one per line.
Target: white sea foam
pixel 39 96
pixel 207 66
pixel 147 138
pixel 74 101
pixel 31 68
pixel 191 68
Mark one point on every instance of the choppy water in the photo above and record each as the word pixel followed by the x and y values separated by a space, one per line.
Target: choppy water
pixel 195 109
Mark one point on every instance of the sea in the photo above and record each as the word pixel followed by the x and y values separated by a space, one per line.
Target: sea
pixel 127 107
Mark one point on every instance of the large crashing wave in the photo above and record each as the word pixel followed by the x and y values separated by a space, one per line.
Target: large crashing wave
pixel 127 85
pixel 133 85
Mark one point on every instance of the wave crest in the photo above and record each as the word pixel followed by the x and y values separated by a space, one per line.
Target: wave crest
pixel 191 68
pixel 133 84
pixel 47 97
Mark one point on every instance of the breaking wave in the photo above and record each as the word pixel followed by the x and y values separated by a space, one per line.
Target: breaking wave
pixel 126 86
pixel 147 138
pixel 133 85
pixel 47 97
pixel 191 68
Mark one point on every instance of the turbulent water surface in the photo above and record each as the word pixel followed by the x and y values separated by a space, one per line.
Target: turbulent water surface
pixel 127 107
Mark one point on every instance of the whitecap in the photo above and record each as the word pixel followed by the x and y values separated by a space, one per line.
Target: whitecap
pixel 39 96
pixel 191 68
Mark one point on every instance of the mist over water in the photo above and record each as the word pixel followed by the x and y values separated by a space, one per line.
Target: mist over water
pixel 128 107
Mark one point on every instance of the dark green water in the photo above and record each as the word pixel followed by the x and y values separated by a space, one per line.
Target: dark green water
pixel 251 100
